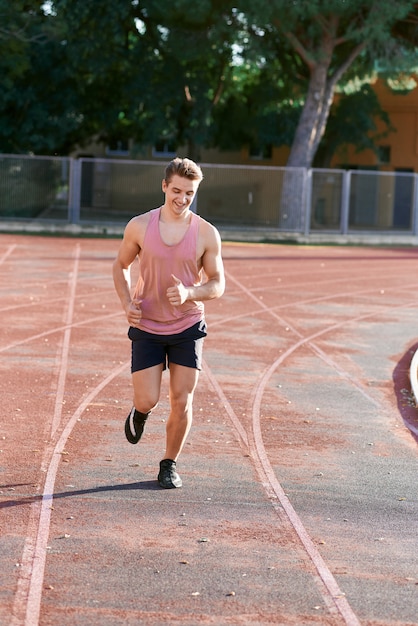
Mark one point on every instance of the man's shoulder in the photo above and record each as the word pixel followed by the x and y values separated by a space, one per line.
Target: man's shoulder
pixel 140 221
pixel 136 228
pixel 208 231
pixel 209 237
pixel 207 227
pixel 143 218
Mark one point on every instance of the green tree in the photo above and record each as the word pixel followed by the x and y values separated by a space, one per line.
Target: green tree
pixel 259 108
pixel 329 38
pixel 38 103
pixel 352 121
pixel 151 70
pixel 195 52
pixel 220 74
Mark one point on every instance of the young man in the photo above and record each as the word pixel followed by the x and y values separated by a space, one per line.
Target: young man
pixel 180 266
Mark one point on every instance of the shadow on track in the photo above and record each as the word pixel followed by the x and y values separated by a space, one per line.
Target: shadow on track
pixel 145 485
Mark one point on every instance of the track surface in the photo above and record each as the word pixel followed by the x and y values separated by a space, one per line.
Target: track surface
pixel 299 503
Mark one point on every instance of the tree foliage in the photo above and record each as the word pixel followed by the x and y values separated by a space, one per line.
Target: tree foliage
pixel 353 121
pixel 38 104
pixel 329 37
pixel 219 73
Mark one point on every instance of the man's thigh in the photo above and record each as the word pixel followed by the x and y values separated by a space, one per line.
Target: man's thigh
pixel 183 380
pixel 186 348
pixel 147 384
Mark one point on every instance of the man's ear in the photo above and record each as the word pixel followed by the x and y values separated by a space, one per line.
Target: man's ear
pixel 164 185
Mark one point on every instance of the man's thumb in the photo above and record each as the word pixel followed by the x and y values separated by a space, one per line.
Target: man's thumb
pixel 177 281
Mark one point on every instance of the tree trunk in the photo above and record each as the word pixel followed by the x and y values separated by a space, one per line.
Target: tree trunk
pixel 311 127
pixel 313 119
pixel 308 135
pixel 319 99
pixel 193 150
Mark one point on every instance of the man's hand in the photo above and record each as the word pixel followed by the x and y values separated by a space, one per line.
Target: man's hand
pixel 134 313
pixel 178 293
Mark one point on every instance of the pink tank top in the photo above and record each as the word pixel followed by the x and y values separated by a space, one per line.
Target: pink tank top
pixel 158 261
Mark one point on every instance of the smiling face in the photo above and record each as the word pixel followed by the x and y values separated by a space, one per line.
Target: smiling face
pixel 179 193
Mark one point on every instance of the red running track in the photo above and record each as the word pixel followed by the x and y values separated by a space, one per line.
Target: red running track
pixel 304 437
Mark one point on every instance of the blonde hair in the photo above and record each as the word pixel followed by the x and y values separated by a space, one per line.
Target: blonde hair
pixel 183 167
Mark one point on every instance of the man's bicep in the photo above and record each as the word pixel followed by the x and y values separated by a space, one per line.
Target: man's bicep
pixel 212 259
pixel 129 248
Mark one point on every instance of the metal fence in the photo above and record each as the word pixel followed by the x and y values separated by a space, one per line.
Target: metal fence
pixel 294 200
pixel 34 187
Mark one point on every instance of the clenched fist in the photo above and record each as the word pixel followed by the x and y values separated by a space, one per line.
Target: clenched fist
pixel 177 294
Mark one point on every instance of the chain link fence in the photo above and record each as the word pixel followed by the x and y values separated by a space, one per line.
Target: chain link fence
pixel 294 200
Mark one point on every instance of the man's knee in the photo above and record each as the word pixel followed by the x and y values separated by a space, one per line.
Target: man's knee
pixel 181 401
pixel 146 397
pixel 144 402
pixel 146 385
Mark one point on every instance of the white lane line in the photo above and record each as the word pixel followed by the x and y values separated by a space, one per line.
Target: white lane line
pixel 58 329
pixel 35 549
pixel 62 358
pixel 331 593
pixel 8 252
pixel 228 408
pixel 335 594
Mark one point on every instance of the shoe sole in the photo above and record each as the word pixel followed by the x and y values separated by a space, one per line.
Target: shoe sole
pixel 132 438
pixel 172 479
pixel 171 485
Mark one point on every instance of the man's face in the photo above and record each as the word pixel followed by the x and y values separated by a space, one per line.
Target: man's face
pixel 179 193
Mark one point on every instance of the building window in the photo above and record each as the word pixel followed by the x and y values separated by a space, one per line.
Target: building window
pixel 384 155
pixel 119 147
pixel 261 153
pixel 164 148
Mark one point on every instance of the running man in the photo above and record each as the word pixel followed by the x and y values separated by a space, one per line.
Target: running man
pixel 180 267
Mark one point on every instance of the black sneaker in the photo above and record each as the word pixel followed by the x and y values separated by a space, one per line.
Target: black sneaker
pixel 168 477
pixel 134 425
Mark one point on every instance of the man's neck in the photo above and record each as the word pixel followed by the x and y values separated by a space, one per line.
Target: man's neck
pixel 168 216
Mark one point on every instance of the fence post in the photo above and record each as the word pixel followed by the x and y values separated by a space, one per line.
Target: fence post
pixel 415 207
pixel 74 195
pixel 308 200
pixel 345 202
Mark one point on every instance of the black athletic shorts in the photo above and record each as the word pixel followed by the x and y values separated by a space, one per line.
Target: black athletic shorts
pixel 185 348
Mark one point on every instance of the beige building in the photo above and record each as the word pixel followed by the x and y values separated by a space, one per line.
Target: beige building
pixel 399 149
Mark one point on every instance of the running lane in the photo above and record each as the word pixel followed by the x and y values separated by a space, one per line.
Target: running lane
pixel 298 504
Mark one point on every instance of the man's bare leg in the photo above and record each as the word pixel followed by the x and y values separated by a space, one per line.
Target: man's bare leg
pixel 183 381
pixel 147 385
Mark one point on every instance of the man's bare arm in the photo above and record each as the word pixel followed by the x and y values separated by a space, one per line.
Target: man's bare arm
pixel 212 265
pixel 128 251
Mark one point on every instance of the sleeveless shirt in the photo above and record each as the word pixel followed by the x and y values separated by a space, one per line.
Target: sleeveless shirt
pixel 157 262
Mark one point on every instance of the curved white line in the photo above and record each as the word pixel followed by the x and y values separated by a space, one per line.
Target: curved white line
pixel 321 567
pixel 34 553
pixel 264 467
pixel 333 596
pixel 336 599
pixel 308 340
